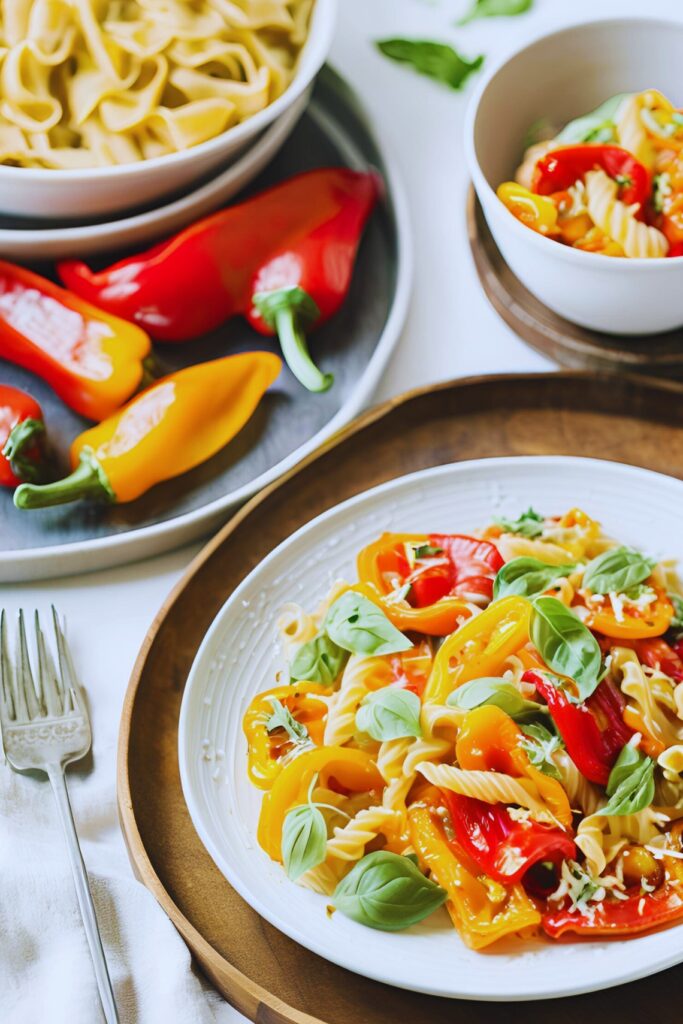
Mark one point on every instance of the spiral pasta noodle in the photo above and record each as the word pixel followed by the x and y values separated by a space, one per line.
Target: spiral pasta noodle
pixel 618 221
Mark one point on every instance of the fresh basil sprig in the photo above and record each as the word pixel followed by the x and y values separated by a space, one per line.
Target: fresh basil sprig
pixel 529 524
pixel 357 625
pixel 495 9
pixel 540 744
pixel 598 126
pixel 565 644
pixel 435 60
pixel 388 892
pixel 389 714
pixel 528 577
pixel 282 718
pixel 500 693
pixel 617 570
pixel 631 784
pixel 304 839
pixel 320 660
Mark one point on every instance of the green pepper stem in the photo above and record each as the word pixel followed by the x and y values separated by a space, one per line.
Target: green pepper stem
pixel 88 480
pixel 25 435
pixel 286 310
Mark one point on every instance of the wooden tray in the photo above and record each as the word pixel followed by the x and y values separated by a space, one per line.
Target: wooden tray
pixel 657 355
pixel 263 973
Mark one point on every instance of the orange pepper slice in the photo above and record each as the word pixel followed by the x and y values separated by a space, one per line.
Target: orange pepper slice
pixel 353 769
pixel 652 621
pixel 265 756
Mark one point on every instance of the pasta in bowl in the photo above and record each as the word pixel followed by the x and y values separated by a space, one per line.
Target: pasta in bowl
pixel 493 723
pixel 122 100
pixel 601 122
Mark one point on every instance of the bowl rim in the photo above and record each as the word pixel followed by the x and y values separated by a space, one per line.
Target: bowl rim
pixel 546 246
pixel 311 58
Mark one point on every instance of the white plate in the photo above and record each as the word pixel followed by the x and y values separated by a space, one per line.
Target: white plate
pixel 239 657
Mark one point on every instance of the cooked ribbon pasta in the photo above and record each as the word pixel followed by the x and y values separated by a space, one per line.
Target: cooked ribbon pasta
pixel 88 83
pixel 493 721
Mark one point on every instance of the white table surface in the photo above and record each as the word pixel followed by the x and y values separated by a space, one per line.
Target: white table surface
pixel 451 330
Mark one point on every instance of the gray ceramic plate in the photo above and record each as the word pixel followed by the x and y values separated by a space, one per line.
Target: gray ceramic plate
pixel 289 423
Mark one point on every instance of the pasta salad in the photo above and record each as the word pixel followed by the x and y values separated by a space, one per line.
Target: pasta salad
pixel 610 182
pixel 490 723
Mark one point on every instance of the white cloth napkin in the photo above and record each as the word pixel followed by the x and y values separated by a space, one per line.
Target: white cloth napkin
pixel 46 973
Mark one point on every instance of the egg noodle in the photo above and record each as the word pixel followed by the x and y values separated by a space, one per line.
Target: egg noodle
pixel 492 722
pixel 88 83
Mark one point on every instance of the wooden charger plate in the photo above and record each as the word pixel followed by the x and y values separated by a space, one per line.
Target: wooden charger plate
pixel 263 973
pixel 577 348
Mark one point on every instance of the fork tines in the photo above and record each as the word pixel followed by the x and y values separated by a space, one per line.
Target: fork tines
pixel 56 694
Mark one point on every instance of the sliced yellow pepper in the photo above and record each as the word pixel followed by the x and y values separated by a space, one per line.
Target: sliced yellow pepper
pixel 480 647
pixel 537 212
pixel 481 910
pixel 354 770
pixel 266 754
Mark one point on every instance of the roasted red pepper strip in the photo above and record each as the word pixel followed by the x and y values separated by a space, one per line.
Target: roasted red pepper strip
pixel 22 433
pixel 283 259
pixel 474 562
pixel 592 749
pixel 92 360
pixel 637 913
pixel 561 168
pixel 658 654
pixel 503 848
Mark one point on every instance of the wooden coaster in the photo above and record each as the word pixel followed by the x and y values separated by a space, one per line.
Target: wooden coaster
pixel 657 355
pixel 262 972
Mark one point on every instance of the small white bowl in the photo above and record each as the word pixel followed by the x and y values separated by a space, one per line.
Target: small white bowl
pixel 136 230
pixel 560 76
pixel 92 191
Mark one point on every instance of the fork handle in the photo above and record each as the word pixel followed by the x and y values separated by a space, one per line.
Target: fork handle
pixel 57 778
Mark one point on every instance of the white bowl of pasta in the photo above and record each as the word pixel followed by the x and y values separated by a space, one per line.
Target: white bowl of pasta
pixel 578 136
pixel 133 104
pixel 390 752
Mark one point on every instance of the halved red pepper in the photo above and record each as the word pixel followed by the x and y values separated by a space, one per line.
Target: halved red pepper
pixel 503 848
pixel 474 562
pixel 561 168
pixel 22 433
pixel 283 259
pixel 592 749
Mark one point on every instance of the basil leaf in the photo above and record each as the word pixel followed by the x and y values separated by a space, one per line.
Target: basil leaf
pixel 540 744
pixel 529 524
pixel 631 784
pixel 617 570
pixel 435 60
pixel 565 644
pixel 356 624
pixel 387 892
pixel 426 550
pixel 597 126
pixel 498 692
pixel 304 840
pixel 282 718
pixel 495 9
pixel 528 577
pixel 389 714
pixel 320 660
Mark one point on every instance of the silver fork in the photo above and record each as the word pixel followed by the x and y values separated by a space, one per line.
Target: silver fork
pixel 44 728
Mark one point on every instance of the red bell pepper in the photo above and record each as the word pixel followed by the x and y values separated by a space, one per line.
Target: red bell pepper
pixel 503 848
pixel 561 168
pixel 22 432
pixel 283 259
pixel 472 569
pixel 637 913
pixel 657 653
pixel 592 749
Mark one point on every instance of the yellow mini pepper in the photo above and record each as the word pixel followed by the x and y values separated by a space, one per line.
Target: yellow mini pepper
pixel 266 756
pixel 171 427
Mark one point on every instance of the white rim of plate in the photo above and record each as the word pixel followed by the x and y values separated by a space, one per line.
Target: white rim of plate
pixel 627 974
pixel 91 555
